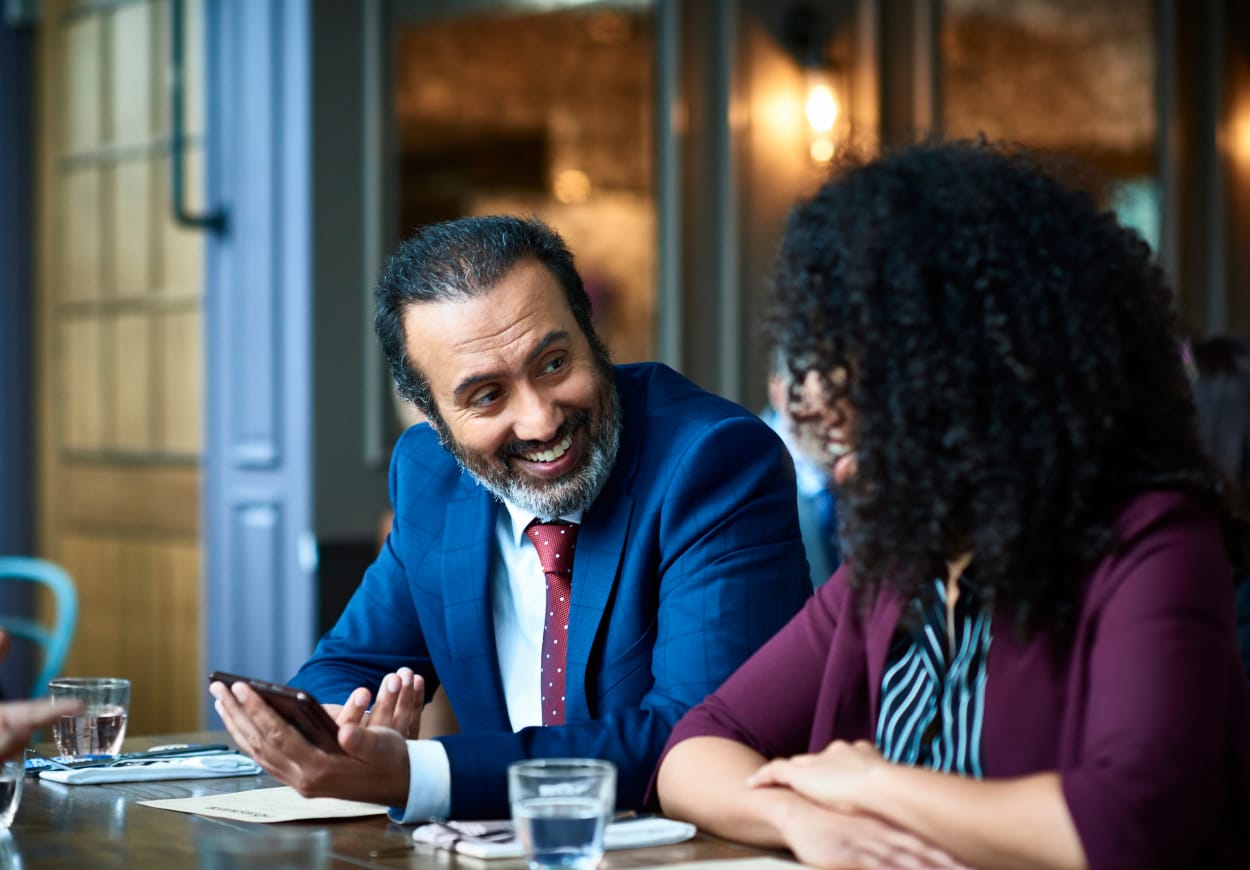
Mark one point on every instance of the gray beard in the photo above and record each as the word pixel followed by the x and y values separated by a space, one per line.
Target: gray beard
pixel 554 498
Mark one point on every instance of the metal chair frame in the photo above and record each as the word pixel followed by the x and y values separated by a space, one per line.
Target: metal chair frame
pixel 54 641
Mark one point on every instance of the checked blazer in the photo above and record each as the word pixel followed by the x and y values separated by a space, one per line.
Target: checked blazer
pixel 686 563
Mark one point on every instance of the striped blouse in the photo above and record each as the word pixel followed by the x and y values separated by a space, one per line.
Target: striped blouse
pixel 932 695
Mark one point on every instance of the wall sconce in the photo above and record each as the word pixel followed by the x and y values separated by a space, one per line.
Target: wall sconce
pixel 806 32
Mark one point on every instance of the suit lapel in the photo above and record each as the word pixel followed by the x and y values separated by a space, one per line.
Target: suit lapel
pixel 469 622
pixel 600 548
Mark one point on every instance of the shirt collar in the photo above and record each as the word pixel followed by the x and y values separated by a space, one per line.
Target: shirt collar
pixel 521 518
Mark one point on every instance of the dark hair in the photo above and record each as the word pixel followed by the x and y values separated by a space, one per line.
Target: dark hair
pixel 462 259
pixel 1013 365
pixel 1222 395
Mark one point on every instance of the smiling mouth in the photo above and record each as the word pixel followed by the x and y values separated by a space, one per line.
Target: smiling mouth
pixel 837 449
pixel 551 454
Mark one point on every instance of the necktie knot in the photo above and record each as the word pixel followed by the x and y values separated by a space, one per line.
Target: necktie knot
pixel 555 543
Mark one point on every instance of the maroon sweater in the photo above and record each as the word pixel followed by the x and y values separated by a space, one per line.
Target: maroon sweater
pixel 1144 714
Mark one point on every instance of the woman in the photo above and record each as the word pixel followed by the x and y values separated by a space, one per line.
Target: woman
pixel 1027 658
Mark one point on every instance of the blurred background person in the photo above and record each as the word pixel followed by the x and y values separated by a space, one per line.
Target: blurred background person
pixel 1222 394
pixel 1028 655
pixel 818 505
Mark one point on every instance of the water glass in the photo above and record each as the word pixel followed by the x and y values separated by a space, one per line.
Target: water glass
pixel 11 776
pixel 560 807
pixel 101 726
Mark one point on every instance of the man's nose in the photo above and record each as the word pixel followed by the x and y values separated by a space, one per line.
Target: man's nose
pixel 538 416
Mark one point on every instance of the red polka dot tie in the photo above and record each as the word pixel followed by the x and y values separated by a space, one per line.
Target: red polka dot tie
pixel 554 543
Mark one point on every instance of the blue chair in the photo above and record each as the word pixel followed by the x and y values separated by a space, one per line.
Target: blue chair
pixel 53 642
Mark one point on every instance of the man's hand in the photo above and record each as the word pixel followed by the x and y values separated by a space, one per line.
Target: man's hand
pixel 374 768
pixel 398 707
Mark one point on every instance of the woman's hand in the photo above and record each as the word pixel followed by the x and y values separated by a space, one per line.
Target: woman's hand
pixel 831 778
pixel 836 840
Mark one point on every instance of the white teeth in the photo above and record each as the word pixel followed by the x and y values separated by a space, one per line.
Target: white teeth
pixel 837 448
pixel 550 455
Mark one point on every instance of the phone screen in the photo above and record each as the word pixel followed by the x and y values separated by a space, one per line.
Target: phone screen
pixel 297 707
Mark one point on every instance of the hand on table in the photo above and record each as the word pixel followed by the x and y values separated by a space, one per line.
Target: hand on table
pixel 831 778
pixel 836 840
pixel 374 767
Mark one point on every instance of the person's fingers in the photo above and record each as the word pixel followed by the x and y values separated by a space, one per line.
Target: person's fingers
pixel 353 712
pixel 383 711
pixel 775 772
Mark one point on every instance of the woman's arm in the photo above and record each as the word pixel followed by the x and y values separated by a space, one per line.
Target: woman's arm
pixel 704 780
pixel 1020 822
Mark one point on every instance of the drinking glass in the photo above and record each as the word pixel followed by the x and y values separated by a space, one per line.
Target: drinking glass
pixel 11 776
pixel 560 807
pixel 101 726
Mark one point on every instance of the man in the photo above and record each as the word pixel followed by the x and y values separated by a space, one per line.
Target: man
pixel 687 554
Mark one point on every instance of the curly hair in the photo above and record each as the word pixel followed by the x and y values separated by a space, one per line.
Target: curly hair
pixel 461 259
pixel 1013 370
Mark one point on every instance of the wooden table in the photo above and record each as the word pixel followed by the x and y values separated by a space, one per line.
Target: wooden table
pixel 104 826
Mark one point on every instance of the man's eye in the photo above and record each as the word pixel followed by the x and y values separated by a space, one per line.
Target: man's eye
pixel 554 364
pixel 484 398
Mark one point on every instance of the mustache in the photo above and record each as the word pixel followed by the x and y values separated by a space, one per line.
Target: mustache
pixel 575 420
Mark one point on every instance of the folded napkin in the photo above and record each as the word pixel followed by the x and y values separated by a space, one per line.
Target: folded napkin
pixel 498 839
pixel 201 767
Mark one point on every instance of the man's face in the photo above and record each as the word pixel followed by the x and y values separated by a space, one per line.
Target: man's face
pixel 525 407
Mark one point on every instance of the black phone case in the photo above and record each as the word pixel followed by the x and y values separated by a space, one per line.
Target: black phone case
pixel 296 706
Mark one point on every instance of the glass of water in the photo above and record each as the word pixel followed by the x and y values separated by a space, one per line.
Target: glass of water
pixel 100 727
pixel 560 807
pixel 11 775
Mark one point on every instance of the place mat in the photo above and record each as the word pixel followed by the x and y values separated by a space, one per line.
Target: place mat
pixel 498 839
pixel 202 767
pixel 281 804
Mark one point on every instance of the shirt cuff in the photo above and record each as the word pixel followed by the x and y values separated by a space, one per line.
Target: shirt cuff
pixel 429 784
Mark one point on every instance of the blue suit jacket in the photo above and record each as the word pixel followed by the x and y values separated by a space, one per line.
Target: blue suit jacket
pixel 689 559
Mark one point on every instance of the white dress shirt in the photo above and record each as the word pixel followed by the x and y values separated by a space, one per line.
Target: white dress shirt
pixel 518 591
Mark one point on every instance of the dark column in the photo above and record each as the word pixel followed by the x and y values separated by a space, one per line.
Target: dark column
pixel 17 408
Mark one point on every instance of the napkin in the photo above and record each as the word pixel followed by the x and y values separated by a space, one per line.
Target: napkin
pixel 202 767
pixel 498 839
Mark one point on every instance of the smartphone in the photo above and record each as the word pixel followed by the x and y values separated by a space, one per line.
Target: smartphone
pixel 296 706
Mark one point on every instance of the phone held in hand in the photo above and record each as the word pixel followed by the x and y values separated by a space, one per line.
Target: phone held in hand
pixel 296 706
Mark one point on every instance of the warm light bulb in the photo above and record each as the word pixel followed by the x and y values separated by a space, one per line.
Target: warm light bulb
pixel 822 107
pixel 821 150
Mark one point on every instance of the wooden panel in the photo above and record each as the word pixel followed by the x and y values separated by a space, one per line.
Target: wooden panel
pixel 81 405
pixel 139 618
pixel 181 382
pixel 130 205
pixel 131 77
pixel 130 499
pixel 120 369
pixel 130 381
pixel 81 107
pixel 79 267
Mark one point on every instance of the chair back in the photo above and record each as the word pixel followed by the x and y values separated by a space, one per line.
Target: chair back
pixel 53 642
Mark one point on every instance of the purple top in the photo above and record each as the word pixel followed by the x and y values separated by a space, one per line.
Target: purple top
pixel 1144 714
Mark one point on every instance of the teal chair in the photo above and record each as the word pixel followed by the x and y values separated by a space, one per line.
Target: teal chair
pixel 53 642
